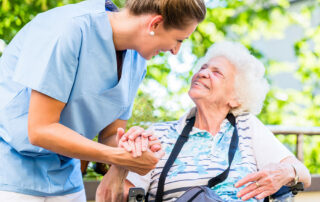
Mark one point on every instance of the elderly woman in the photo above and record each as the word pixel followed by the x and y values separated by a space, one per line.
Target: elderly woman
pixel 230 80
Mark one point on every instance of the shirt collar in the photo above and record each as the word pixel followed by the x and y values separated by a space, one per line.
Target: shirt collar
pixel 192 113
pixel 182 121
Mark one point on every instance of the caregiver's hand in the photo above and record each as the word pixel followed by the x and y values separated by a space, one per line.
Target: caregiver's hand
pixel 265 182
pixel 140 165
pixel 137 140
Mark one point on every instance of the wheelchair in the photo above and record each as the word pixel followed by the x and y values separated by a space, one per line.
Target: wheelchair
pixel 284 194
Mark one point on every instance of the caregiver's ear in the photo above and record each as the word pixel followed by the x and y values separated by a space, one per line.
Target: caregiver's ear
pixel 155 21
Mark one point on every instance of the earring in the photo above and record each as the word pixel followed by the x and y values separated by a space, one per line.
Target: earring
pixel 151 33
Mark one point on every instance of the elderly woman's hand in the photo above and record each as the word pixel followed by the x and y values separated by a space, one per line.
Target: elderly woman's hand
pixel 137 140
pixel 265 182
pixel 111 187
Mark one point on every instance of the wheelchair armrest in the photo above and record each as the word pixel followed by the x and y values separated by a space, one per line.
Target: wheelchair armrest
pixel 285 191
pixel 296 188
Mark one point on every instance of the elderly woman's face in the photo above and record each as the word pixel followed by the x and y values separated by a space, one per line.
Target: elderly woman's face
pixel 214 83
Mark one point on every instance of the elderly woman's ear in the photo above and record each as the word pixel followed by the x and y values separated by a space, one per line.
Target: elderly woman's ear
pixel 234 103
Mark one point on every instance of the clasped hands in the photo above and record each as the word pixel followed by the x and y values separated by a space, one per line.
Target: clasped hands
pixel 143 147
pixel 137 140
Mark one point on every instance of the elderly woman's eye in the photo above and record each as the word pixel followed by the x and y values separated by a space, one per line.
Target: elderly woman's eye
pixel 218 73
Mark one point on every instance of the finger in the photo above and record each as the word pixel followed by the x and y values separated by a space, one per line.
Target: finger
pixel 159 154
pixel 125 145
pixel 120 133
pixel 134 134
pixel 249 178
pixel 152 138
pixel 138 146
pixel 148 133
pixel 247 189
pixel 133 148
pixel 263 195
pixel 119 197
pixel 125 137
pixel 144 143
pixel 131 132
pixel 115 198
pixel 253 193
pixel 155 148
pixel 155 145
pixel 154 142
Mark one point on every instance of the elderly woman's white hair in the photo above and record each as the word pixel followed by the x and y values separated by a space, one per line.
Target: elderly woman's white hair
pixel 250 85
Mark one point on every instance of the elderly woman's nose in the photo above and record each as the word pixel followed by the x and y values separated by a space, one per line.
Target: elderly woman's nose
pixel 204 73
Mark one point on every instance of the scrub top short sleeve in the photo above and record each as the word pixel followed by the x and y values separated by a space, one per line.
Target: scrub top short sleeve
pixel 49 58
pixel 127 114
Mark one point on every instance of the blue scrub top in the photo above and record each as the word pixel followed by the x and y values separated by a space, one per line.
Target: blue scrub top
pixel 68 54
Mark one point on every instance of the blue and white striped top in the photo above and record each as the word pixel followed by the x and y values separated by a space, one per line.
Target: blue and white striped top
pixel 205 156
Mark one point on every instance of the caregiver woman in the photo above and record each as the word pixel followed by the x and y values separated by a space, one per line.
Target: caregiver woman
pixel 71 73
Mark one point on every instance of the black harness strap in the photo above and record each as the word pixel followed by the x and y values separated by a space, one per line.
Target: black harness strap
pixel 232 150
pixel 183 138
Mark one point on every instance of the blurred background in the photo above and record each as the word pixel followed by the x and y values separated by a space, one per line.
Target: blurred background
pixel 283 34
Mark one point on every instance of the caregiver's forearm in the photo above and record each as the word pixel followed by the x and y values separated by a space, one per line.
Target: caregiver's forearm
pixel 62 140
pixel 44 130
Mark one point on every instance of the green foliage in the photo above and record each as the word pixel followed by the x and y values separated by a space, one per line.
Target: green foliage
pixel 14 14
pixel 119 3
pixel 91 174
pixel 143 113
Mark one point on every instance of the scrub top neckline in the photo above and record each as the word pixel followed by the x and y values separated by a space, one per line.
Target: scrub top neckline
pixel 114 56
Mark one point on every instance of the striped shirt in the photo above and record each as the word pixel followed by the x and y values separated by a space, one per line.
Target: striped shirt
pixel 203 157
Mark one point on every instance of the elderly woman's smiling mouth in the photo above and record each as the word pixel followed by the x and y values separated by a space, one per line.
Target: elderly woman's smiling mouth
pixel 198 83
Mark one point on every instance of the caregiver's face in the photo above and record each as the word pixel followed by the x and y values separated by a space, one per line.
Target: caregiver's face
pixel 166 40
pixel 214 82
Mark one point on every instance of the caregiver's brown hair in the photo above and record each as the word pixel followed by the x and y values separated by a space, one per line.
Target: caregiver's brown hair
pixel 176 13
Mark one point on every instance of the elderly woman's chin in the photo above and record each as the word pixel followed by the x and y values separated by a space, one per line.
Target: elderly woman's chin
pixel 195 94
